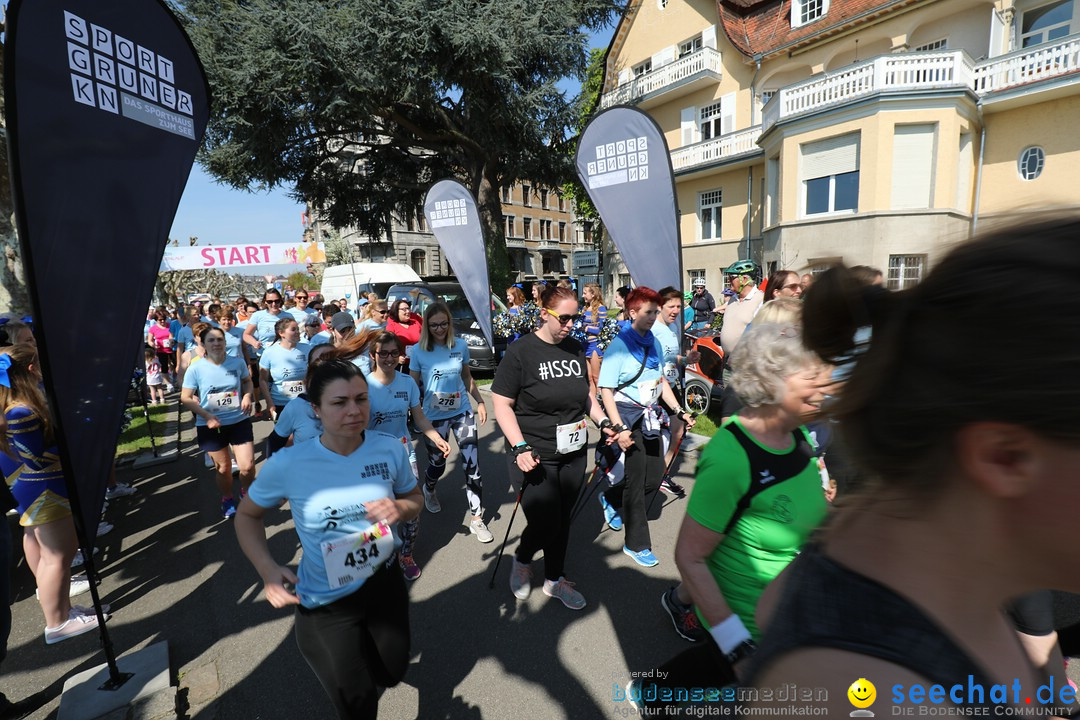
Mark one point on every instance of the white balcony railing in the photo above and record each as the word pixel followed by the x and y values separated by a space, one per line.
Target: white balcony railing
pixel 515 242
pixel 718 148
pixel 1028 65
pixel 547 244
pixel 704 60
pixel 894 72
pixel 901 71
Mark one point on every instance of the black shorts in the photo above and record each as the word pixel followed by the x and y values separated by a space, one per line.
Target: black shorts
pixel 254 368
pixel 212 440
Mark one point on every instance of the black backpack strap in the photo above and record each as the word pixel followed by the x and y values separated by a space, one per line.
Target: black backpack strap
pixel 756 485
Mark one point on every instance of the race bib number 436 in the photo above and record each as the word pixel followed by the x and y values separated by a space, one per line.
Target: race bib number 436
pixel 357 556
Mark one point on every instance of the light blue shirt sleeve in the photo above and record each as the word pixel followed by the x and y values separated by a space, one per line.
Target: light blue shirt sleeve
pixel 615 357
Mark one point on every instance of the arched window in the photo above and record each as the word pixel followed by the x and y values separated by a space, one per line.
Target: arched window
pixel 418 260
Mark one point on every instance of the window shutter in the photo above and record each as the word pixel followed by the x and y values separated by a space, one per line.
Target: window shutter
pixel 829 157
pixel 665 56
pixel 727 113
pixel 963 174
pixel 687 122
pixel 708 37
pixel 625 76
pixel 997 34
pixel 913 166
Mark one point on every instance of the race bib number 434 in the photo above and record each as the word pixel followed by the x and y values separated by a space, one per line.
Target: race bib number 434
pixel 357 556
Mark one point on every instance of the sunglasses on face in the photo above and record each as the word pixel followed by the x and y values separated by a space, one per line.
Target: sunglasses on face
pixel 301 297
pixel 273 302
pixel 381 312
pixel 563 319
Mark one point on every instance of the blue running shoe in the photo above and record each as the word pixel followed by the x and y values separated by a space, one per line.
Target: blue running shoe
pixel 611 515
pixel 645 558
pixel 228 507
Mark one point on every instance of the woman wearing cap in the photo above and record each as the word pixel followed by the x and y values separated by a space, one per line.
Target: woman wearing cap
pixel 283 365
pixel 440 366
pixel 703 304
pixel 31 464
pixel 310 327
pixel 345 340
pixel 222 410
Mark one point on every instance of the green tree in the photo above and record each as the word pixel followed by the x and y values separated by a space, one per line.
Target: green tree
pixel 301 280
pixel 587 104
pixel 14 294
pixel 360 105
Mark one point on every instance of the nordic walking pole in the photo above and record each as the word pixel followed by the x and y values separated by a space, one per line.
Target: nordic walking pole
pixel 667 470
pixel 517 504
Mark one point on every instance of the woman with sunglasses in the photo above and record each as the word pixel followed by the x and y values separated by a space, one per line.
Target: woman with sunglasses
pixel 301 311
pixel 260 331
pixel 374 316
pixel 783 284
pixel 632 384
pixel 283 365
pixel 394 398
pixel 222 408
pixel 541 398
pixel 440 366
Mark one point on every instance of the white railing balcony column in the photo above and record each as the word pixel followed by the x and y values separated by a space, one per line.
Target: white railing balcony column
pixel 704 60
pixel 715 149
pixel 1028 65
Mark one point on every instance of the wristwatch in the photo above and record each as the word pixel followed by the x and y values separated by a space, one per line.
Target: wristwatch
pixel 605 423
pixel 743 650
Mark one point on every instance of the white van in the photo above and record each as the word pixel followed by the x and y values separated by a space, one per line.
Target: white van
pixel 354 281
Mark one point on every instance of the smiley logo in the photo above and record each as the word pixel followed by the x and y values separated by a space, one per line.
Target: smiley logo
pixel 862 693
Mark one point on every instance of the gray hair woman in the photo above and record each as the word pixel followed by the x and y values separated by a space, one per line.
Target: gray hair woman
pixel 756 499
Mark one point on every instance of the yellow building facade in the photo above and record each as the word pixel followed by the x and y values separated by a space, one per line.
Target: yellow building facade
pixel 803 132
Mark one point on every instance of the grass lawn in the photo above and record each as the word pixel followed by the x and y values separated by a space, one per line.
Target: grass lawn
pixel 135 439
pixel 707 425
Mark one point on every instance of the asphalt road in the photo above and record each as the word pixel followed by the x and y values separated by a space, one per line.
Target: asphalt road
pixel 173 571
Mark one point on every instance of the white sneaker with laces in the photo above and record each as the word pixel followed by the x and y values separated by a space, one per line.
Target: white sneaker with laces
pixel 119 491
pixel 479 529
pixel 76 624
pixel 520 580
pixel 564 590
pixel 79 585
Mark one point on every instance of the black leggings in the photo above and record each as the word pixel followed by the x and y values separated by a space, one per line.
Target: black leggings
pixel 643 468
pixel 553 487
pixel 358 643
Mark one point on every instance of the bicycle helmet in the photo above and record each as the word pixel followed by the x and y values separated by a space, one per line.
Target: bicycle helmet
pixel 743 267
pixel 699 282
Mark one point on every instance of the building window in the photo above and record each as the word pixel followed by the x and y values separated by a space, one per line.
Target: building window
pixel 642 68
pixel 507 194
pixel 527 226
pixel 562 232
pixel 509 226
pixel 526 196
pixel 1031 162
pixel 766 96
pixel 710 121
pixel 418 260
pixel 829 170
pixel 905 271
pixel 562 203
pixel 806 11
pixel 586 232
pixel 942 44
pixel 545 229
pixel 695 274
pixel 691 46
pixel 709 205
pixel 1045 23
pixel 544 199
pixel 624 279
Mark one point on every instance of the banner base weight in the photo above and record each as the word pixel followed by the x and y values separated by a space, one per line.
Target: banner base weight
pixel 84 696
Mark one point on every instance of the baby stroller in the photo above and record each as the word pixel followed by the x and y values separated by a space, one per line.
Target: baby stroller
pixel 703 377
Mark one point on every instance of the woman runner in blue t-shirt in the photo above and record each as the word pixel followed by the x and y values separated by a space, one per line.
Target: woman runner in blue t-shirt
pixel 394 398
pixel 440 365
pixel 346 491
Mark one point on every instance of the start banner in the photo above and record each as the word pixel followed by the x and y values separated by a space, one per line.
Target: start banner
pixel 234 257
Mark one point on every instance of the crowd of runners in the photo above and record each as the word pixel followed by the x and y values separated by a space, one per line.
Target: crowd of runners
pixel 886 405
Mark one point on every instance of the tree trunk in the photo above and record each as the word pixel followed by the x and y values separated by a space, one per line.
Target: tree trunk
pixel 489 204
pixel 14 294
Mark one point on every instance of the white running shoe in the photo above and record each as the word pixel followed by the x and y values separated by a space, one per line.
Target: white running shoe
pixel 76 624
pixel 564 590
pixel 79 585
pixel 121 490
pixel 520 580
pixel 479 529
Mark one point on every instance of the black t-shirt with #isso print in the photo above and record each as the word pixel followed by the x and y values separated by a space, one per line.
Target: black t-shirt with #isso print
pixel 549 385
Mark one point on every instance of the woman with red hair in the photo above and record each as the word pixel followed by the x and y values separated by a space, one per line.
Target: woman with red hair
pixel 631 384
